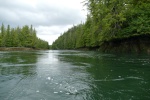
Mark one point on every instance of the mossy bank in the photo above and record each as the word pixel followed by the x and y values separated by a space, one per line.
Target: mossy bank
pixel 15 49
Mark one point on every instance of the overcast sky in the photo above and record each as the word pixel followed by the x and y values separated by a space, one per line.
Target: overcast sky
pixel 50 18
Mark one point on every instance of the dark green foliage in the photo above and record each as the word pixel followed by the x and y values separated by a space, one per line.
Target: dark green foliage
pixel 107 20
pixel 21 37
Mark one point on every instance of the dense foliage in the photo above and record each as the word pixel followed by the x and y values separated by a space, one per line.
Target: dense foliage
pixel 21 37
pixel 107 20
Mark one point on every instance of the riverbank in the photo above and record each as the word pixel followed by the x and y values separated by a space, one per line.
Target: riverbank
pixel 133 44
pixel 15 49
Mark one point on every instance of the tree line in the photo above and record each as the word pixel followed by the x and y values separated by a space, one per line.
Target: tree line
pixel 21 37
pixel 107 20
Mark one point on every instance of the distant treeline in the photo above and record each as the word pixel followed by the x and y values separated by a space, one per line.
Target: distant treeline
pixel 108 20
pixel 21 37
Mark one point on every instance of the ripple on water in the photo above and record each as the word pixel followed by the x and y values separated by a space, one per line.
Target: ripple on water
pixel 61 87
pixel 120 79
pixel 16 65
pixel 132 77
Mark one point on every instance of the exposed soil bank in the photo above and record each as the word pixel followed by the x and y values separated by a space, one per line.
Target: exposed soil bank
pixel 135 44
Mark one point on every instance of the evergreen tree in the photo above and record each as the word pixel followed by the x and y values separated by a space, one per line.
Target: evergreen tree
pixel 21 37
pixel 107 20
pixel 3 31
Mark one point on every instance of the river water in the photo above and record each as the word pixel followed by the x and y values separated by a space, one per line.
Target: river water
pixel 73 75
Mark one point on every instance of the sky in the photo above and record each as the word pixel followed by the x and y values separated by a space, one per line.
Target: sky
pixel 50 18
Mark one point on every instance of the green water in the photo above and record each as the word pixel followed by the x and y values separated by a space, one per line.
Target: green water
pixel 74 75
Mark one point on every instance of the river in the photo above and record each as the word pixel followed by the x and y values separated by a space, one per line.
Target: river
pixel 73 75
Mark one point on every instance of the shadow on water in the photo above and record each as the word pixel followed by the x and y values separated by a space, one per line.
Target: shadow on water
pixel 17 63
pixel 111 76
pixel 15 67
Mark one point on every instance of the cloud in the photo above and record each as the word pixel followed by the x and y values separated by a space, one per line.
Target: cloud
pixel 51 30
pixel 51 33
pixel 39 12
pixel 54 15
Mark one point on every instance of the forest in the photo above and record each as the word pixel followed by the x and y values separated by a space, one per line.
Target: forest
pixel 110 24
pixel 21 37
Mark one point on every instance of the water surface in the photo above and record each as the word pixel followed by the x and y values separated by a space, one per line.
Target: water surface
pixel 73 75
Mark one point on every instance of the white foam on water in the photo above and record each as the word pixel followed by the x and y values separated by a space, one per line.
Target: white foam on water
pixel 132 77
pixel 60 91
pixel 55 92
pixel 120 79
pixel 37 91
pixel 49 78
pixel 67 93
